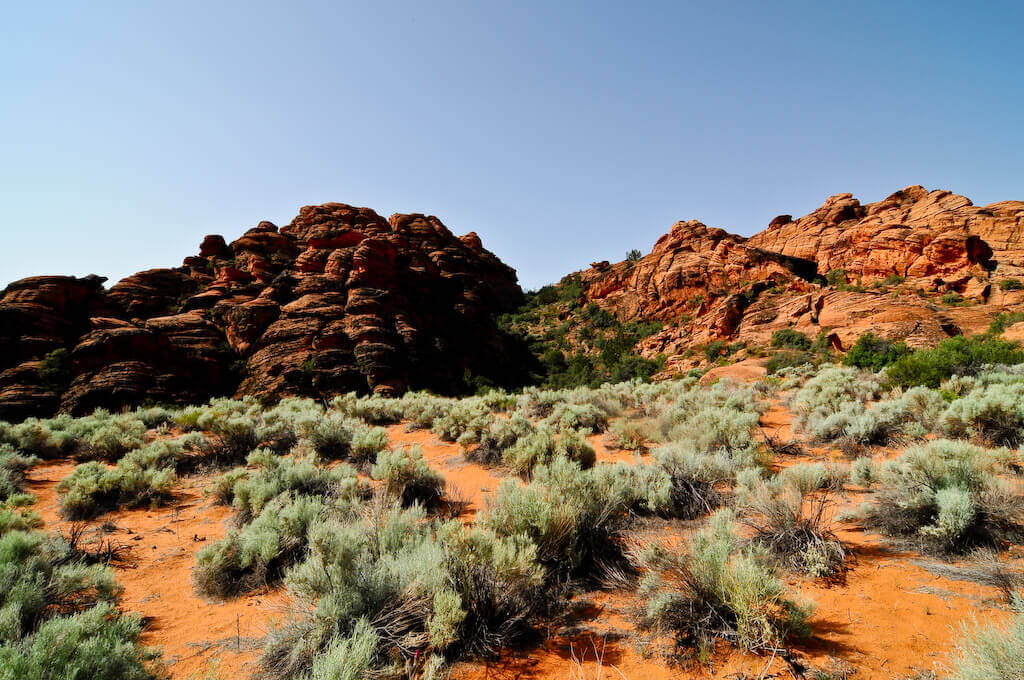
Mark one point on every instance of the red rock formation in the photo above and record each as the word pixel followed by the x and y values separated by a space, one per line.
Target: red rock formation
pixel 913 233
pixel 339 299
pixel 708 285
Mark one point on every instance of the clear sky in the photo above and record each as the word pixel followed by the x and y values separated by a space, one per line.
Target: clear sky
pixel 562 132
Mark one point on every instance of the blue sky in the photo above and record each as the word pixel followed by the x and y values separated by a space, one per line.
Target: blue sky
pixel 561 132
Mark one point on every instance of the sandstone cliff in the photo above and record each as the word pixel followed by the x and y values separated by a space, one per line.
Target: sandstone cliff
pixel 843 269
pixel 339 299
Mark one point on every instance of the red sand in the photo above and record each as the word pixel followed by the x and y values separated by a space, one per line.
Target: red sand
pixel 889 618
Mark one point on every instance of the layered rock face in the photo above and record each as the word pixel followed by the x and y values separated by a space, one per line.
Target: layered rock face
pixel 914 233
pixel 707 284
pixel 340 299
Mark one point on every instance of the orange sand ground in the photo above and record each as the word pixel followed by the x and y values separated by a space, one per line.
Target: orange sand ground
pixel 889 618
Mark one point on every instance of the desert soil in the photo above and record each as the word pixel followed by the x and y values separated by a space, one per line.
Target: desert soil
pixel 889 617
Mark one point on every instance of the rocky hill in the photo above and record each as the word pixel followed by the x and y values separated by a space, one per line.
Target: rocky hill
pixel 340 299
pixel 917 266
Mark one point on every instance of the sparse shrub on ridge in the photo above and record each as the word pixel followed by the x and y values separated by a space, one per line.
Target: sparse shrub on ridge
pixel 790 339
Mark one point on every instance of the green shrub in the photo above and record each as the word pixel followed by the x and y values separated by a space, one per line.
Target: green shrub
pixel 634 434
pixel 93 488
pixel 408 478
pixel 716 591
pixel 249 491
pixel 1004 320
pixel 13 466
pixel 261 551
pixel 542 445
pixel 367 443
pixel 714 349
pixel 955 356
pixel 946 497
pixel 1011 284
pixel 836 277
pixel 808 477
pixel 873 353
pixel 384 586
pixel 791 339
pixel 568 416
pixel 57 615
pixel 55 367
pixel 715 430
pixel 789 359
pixel 495 438
pixel 952 298
pixel 576 529
pixel 459 417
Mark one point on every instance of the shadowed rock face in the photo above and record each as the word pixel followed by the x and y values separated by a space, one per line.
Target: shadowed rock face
pixel 707 284
pixel 340 299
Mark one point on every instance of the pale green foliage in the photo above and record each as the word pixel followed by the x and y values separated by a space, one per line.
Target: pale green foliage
pixel 543 444
pixel 562 512
pixel 407 476
pixel 993 412
pixel 716 430
pixel 460 417
pixel 568 417
pixel 808 477
pixel 13 466
pixel 57 618
pixel 443 624
pixel 863 472
pixel 634 434
pixel 948 496
pixel 147 478
pixel 374 409
pixel 494 438
pixel 829 392
pixel 262 550
pixel 994 651
pixel 347 657
pixel 717 590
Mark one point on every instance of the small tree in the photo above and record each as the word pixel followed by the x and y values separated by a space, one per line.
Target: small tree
pixel 634 255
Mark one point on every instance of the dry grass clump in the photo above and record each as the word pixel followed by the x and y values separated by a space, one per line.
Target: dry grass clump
pixel 994 651
pixel 717 590
pixel 794 526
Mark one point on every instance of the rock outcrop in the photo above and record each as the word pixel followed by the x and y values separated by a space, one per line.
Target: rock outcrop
pixel 706 284
pixel 340 299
